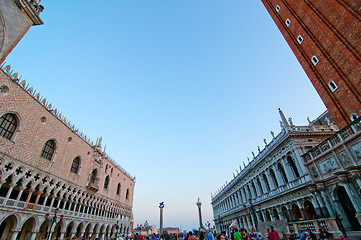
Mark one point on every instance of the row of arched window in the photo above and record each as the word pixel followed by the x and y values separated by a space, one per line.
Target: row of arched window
pixel 8 125
pixel 94 179
pixel 106 186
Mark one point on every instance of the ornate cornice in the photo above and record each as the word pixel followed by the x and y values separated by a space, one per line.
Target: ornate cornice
pixel 32 9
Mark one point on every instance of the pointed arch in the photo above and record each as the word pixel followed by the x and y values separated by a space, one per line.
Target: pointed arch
pixel 106 182
pixel 118 189
pixel 48 150
pixel 94 176
pixel 75 166
pixel 8 125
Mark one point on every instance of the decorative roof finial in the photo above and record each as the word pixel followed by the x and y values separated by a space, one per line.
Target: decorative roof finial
pixel 272 134
pixel 291 123
pixel 283 118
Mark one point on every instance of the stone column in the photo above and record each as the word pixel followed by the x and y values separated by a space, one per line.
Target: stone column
pixel 250 221
pixel 270 180
pixel 244 197
pixel 14 235
pixel 199 205
pixel 352 193
pixel 161 207
pixel 263 183
pixel 254 189
pixel 354 197
pixel 258 189
pixel 316 203
pixel 291 175
pixel 52 202
pixel 11 187
pixel 357 178
pixel 102 236
pixel 239 197
pixel 287 170
pixel 322 204
pixel 299 162
pixel 59 201
pixel 33 235
pixel 328 205
pixel 37 200
pixel 19 195
pixel 302 211
pixel 28 198
pixel 62 235
pixel 278 176
pixel 45 200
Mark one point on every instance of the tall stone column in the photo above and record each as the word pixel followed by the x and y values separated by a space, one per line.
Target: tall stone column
pixel 199 205
pixel 161 207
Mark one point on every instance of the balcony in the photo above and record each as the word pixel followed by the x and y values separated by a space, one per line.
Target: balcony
pixel 338 138
pixel 92 186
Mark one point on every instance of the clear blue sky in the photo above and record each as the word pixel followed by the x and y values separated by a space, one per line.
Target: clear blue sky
pixel 180 90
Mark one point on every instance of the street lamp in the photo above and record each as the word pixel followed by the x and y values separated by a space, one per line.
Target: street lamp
pixel 252 211
pixel 52 221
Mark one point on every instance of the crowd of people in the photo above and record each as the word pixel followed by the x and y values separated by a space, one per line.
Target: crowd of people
pixel 252 234
pixel 243 234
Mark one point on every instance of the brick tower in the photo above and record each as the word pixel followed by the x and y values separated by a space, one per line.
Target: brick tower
pixel 325 36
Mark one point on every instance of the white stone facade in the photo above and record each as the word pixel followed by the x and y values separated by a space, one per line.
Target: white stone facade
pixel 273 187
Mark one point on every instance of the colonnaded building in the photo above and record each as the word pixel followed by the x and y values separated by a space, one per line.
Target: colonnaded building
pixel 306 177
pixel 48 167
